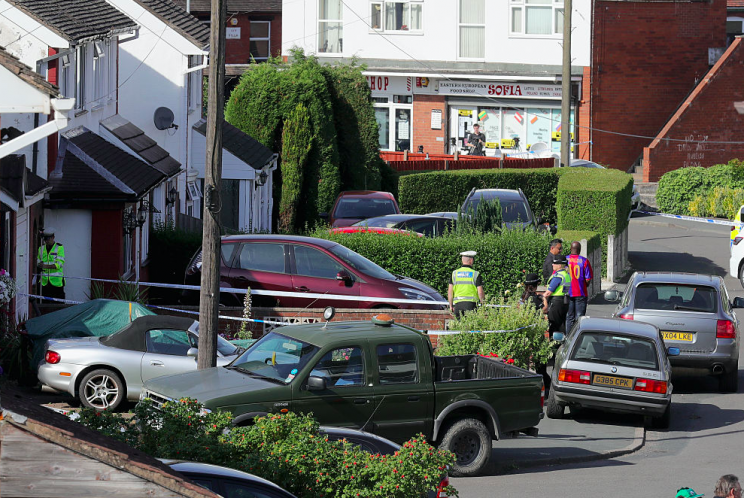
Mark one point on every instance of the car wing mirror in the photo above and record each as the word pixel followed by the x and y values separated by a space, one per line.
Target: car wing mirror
pixel 344 276
pixel 738 302
pixel 192 352
pixel 559 336
pixel 612 296
pixel 672 351
pixel 315 383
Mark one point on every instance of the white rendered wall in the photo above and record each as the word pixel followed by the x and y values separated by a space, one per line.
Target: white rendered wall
pixel 73 231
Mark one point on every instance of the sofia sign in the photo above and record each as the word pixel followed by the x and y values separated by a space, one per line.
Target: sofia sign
pixel 510 90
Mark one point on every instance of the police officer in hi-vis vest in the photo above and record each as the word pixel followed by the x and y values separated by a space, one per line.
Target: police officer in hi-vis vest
pixel 50 262
pixel 555 299
pixel 466 289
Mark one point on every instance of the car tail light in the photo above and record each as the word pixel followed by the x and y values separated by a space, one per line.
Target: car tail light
pixel 625 316
pixel 575 376
pixel 725 329
pixel 651 386
pixel 737 239
pixel 52 357
pixel 441 489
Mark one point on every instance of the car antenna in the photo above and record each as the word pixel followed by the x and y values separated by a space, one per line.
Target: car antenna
pixel 373 413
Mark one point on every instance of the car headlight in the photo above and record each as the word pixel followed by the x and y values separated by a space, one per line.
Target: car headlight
pixel 415 294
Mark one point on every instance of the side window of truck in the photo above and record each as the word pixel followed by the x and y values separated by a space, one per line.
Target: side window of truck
pixel 341 367
pixel 397 364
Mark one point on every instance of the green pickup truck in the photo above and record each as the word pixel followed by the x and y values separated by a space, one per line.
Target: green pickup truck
pixel 375 376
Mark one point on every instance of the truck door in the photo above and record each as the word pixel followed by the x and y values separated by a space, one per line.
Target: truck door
pixel 404 392
pixel 348 400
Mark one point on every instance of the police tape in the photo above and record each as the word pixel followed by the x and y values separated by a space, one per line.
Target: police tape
pixel 711 221
pixel 456 332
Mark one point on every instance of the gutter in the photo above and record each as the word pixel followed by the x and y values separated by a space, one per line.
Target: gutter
pixel 60 122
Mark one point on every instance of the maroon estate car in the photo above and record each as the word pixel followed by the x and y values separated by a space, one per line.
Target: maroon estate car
pixel 307 265
pixel 357 205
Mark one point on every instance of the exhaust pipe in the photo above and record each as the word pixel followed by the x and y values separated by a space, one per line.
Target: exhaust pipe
pixel 717 369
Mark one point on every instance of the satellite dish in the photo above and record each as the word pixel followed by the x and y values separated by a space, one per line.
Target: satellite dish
pixel 164 118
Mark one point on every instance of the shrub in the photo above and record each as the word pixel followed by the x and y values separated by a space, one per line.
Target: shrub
pixel 722 202
pixel 502 257
pixel 297 140
pixel 487 218
pixel 446 190
pixel 680 187
pixel 526 346
pixel 593 240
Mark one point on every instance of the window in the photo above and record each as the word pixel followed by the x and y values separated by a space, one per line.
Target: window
pixel 537 17
pixel 101 65
pixel 80 75
pixel 341 367
pixel 397 364
pixel 382 115
pixel 262 257
pixel 145 236
pixel 310 262
pixel 227 253
pixel 277 357
pixel 400 16
pixel 472 29
pixel 260 45
pixel 194 83
pixel 331 27
pixel 361 207
pixel 675 297
pixel 615 349
pixel 173 342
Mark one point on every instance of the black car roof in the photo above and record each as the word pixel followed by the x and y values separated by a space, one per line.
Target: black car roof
pixel 132 337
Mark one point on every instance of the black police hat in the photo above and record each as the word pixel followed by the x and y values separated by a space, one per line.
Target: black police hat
pixel 559 259
pixel 531 279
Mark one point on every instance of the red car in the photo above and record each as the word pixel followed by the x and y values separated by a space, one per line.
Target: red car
pixel 307 265
pixel 358 205
pixel 380 230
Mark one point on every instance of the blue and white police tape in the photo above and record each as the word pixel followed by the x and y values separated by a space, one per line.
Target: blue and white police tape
pixel 455 332
pixel 711 221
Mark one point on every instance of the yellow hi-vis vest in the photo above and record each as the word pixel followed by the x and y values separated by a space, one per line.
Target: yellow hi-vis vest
pixel 463 285
pixel 565 284
pixel 54 257
pixel 736 230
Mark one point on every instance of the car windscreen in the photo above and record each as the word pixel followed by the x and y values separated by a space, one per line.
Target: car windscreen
pixel 615 349
pixel 360 263
pixel 377 223
pixel 511 211
pixel 660 296
pixel 363 207
pixel 225 347
pixel 275 356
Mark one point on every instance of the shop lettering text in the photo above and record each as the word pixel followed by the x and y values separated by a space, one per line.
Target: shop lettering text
pixel 378 83
pixel 500 90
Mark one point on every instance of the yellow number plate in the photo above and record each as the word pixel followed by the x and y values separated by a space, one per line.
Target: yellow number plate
pixel 607 380
pixel 677 336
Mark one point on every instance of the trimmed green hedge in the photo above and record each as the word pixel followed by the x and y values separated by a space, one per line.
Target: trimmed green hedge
pixel 678 188
pixel 446 190
pixel 593 240
pixel 502 258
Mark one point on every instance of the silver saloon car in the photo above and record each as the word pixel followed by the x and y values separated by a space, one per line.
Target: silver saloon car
pixel 694 313
pixel 614 365
pixel 103 371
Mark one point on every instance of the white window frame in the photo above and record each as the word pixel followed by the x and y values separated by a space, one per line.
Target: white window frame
pixel 66 73
pixel 556 6
pixel 194 87
pixel 145 239
pixel 101 73
pixel 392 107
pixel 321 30
pixel 383 7
pixel 267 38
pixel 80 76
pixel 460 25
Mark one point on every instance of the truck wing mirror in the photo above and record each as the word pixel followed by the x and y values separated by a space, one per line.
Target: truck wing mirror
pixel 316 383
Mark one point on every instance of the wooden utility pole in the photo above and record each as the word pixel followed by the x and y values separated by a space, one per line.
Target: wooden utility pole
pixel 210 272
pixel 566 87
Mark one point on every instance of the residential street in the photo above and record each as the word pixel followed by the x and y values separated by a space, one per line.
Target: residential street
pixel 707 427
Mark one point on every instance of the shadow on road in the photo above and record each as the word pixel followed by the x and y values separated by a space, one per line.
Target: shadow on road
pixel 673 261
pixel 690 417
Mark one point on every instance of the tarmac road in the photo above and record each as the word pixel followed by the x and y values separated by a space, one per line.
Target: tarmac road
pixel 706 436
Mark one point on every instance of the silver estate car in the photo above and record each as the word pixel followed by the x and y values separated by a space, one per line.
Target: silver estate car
pixel 614 365
pixel 694 313
pixel 103 371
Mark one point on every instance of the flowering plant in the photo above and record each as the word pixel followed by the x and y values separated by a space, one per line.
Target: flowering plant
pixel 8 288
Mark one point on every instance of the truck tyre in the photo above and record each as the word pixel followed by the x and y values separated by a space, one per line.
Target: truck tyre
pixel 470 441
pixel 553 409
pixel 663 421
pixel 729 381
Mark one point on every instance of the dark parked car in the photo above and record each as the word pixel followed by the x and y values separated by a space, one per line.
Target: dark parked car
pixel 357 205
pixel 430 226
pixel 227 482
pixel 307 265
pixel 515 210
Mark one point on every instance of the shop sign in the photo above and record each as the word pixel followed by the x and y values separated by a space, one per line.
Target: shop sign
pixel 390 85
pixel 501 90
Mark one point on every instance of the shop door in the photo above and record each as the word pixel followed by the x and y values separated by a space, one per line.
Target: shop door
pixel 462 119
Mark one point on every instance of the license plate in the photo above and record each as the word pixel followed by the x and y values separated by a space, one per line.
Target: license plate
pixel 610 381
pixel 677 336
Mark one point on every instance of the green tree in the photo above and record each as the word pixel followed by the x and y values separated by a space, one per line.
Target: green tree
pixel 297 141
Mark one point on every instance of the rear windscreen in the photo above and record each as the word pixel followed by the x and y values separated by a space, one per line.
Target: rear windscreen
pixel 364 207
pixel 653 296
pixel 615 349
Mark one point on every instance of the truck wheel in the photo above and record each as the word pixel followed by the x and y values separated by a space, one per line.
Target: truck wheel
pixel 663 421
pixel 101 389
pixel 553 409
pixel 470 441
pixel 729 381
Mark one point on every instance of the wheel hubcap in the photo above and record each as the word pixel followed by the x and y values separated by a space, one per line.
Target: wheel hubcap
pixel 466 448
pixel 101 391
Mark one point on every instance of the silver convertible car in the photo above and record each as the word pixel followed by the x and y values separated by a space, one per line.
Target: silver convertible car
pixel 103 371
pixel 614 365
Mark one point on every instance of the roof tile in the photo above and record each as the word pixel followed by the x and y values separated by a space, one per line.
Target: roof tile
pixel 144 146
pixel 236 5
pixel 15 66
pixel 175 15
pixel 241 145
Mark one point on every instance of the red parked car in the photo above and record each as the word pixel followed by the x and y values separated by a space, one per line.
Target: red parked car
pixel 380 230
pixel 358 205
pixel 307 265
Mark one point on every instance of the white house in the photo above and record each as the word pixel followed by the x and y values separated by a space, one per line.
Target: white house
pixel 435 67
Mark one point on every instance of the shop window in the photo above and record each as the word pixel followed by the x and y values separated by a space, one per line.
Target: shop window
pixel 403 129
pixel 536 17
pixel 472 29
pixel 538 127
pixel 557 127
pixel 331 27
pixel 513 128
pixel 260 40
pixel 490 120
pixel 382 115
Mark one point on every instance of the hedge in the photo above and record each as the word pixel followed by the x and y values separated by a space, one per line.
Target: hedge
pixel 503 258
pixel 678 188
pixel 721 202
pixel 446 190
pixel 593 240
pixel 297 140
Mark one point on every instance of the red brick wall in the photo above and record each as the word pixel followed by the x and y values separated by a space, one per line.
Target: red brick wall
pixel 646 58
pixel 708 115
pixel 239 51
pixel 422 132
pixel 584 110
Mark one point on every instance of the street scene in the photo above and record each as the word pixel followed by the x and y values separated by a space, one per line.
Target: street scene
pixel 394 248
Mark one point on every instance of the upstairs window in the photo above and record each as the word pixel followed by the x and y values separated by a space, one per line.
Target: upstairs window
pixel 536 17
pixel 331 27
pixel 101 72
pixel 194 83
pixel 472 29
pixel 260 40
pixel 388 15
pixel 80 76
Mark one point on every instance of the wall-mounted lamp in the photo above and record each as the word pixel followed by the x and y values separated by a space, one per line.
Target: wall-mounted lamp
pixel 172 196
pixel 261 179
pixel 133 220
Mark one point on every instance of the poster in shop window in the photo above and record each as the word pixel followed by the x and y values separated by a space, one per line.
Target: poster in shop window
pixel 490 120
pixel 538 126
pixel 556 127
pixel 514 125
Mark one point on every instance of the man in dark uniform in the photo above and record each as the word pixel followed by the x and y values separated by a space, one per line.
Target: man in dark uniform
pixel 556 246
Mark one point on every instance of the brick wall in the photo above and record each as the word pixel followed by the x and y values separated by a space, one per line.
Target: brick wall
pixel 239 51
pixel 422 132
pixel 708 115
pixel 646 58
pixel 584 122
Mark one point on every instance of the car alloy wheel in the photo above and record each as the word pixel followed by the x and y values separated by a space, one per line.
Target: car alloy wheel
pixel 101 390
